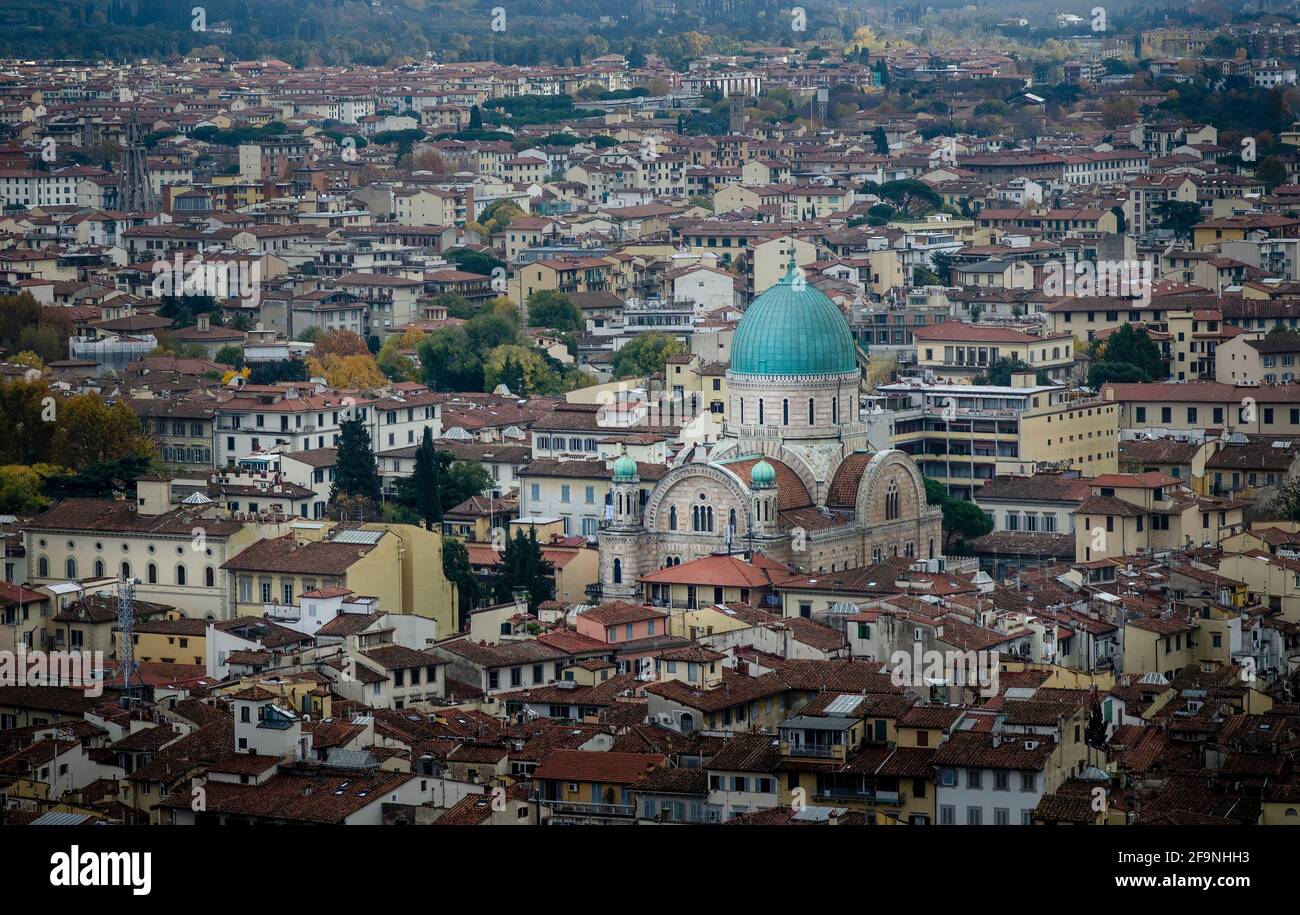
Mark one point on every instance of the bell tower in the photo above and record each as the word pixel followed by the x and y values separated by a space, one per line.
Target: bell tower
pixel 763 506
pixel 620 550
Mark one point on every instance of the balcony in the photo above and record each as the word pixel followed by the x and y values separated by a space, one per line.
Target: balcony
pixel 834 752
pixel 572 812
pixel 290 612
pixel 864 795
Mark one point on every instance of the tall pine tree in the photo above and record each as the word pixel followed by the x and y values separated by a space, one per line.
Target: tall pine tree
pixel 523 568
pixel 427 482
pixel 355 475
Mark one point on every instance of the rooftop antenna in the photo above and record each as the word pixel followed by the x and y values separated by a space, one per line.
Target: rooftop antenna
pixel 126 626
pixel 136 191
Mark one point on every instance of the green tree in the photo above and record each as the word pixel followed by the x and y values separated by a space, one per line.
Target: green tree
pixel 101 480
pixel 1000 371
pixel 278 371
pixel 962 520
pixel 1271 172
pixel 455 565
pixel 355 475
pixel 645 354
pixel 448 362
pixel 232 356
pixel 426 482
pixel 1133 346
pixel 524 568
pixel 549 308
pixel 21 487
pixel 463 480
pixel 881 141
pixel 910 196
pixel 27 414
pixel 89 431
pixel 1177 216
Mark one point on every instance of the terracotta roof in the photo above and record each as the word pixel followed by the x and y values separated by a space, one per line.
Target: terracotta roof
pixel 844 485
pixel 724 571
pixel 600 767
pixel 283 554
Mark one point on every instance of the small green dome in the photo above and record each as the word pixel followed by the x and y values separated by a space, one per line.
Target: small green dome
pixel 625 470
pixel 793 329
pixel 763 474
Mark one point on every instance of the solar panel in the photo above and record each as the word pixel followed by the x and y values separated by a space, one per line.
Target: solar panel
pixel 365 537
pixel 843 705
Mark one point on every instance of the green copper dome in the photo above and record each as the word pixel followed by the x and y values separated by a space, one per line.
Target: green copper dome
pixel 763 474
pixel 793 329
pixel 624 470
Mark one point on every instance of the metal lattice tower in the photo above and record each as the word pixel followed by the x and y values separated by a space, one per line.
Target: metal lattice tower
pixel 137 193
pixel 126 626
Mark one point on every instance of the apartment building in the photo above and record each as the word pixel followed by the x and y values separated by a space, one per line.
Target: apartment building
pixel 957 352
pixel 1190 408
pixel 965 435
pixel 1150 512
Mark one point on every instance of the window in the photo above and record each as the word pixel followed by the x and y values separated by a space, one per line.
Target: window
pixel 1028 781
pixel 974 778
pixel 974 816
pixel 180 575
pixel 947 815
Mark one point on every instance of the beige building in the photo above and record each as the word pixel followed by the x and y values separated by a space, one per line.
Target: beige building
pixel 174 552
pixel 400 565
pixel 1128 513
pixel 1267 358
pixel 957 352
pixel 963 435
pixel 1193 407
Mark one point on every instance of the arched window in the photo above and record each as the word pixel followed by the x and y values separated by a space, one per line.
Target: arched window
pixel 618 571
pixel 812 411
pixel 695 517
pixel 99 568
pixel 785 412
pixel 672 517
pixel 742 410
pixel 760 411
pixel 152 572
pixel 731 520
pixel 126 570
pixel 43 567
pixel 891 503
pixel 709 517
pixel 835 409
pixel 209 577
pixel 71 567
pixel 931 548
pixel 180 575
